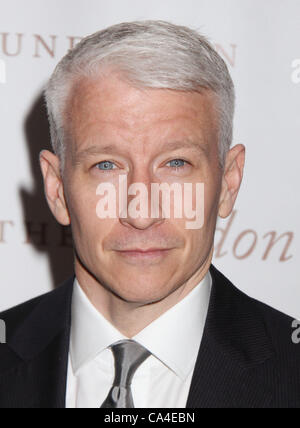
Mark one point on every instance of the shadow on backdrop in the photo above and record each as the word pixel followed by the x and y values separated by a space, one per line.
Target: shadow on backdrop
pixel 43 232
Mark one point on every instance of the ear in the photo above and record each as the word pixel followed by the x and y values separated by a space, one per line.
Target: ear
pixel 232 179
pixel 53 185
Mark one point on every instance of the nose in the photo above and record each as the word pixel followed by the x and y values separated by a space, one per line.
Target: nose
pixel 141 211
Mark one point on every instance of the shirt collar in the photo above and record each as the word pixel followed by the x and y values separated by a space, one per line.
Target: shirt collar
pixel 167 338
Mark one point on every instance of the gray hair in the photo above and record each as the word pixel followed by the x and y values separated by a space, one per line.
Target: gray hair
pixel 150 54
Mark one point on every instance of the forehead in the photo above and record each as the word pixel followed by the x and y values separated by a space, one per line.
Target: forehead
pixel 110 108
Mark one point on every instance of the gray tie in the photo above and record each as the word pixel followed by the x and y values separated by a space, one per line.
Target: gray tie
pixel 128 355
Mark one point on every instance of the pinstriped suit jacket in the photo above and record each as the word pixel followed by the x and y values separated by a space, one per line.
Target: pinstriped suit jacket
pixel 247 358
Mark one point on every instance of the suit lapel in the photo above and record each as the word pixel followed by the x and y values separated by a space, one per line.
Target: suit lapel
pixel 233 357
pixel 37 355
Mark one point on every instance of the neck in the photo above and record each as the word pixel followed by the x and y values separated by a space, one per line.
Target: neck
pixel 131 318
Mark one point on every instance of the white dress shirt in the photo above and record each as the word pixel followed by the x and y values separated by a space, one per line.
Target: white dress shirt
pixel 164 379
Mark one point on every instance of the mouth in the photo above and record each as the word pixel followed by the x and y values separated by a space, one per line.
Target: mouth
pixel 144 254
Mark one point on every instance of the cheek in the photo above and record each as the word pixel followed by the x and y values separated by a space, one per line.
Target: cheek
pixel 83 210
pixel 212 189
pixel 200 244
pixel 82 204
pixel 201 239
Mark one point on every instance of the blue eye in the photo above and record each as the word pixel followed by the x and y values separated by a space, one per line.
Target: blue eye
pixel 177 163
pixel 105 166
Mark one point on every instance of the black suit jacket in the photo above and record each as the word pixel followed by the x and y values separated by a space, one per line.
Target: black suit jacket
pixel 247 358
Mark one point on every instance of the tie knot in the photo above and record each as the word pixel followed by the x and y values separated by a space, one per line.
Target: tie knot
pixel 128 355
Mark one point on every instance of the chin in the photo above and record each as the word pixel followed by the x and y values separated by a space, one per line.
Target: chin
pixel 143 296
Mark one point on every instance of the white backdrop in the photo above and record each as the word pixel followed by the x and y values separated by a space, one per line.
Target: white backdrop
pixel 257 247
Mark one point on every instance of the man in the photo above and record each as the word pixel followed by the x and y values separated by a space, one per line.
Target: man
pixel 147 321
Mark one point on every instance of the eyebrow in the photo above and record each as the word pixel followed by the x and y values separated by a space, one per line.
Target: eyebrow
pixel 111 148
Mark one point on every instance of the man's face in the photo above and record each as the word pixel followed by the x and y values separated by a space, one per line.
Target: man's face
pixel 115 130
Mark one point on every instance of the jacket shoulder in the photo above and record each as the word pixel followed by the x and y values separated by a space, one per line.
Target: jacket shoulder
pixel 16 315
pixel 279 327
pixel 264 308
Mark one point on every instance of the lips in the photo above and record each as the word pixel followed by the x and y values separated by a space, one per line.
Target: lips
pixel 144 254
pixel 140 250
